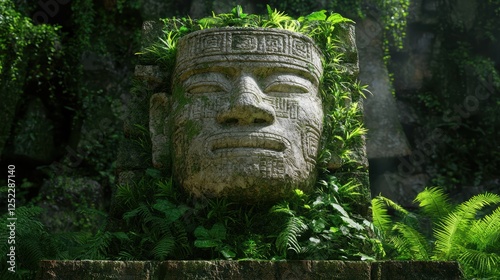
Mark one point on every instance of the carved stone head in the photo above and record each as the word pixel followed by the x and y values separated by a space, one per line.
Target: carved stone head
pixel 244 119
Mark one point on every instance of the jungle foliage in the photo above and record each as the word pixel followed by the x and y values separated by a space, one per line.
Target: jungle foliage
pixel 167 224
pixel 459 101
pixel 468 232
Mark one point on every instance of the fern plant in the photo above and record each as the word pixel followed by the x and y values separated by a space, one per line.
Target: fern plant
pixel 468 232
pixel 32 243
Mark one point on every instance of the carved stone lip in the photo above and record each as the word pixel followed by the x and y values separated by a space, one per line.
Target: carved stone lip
pixel 247 140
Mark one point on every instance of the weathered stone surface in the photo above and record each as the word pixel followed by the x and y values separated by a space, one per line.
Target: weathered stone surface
pixel 402 188
pixel 246 113
pixel 148 79
pixel 415 270
pixel 385 136
pixel 265 270
pixel 91 270
pixel 150 74
pixel 160 140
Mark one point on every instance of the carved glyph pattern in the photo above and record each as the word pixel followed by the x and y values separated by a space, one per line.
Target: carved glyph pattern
pixel 228 43
pixel 284 107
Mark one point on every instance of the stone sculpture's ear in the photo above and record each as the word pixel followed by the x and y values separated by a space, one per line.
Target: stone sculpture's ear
pixel 159 108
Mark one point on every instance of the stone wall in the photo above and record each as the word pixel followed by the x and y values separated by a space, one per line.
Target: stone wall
pixel 265 270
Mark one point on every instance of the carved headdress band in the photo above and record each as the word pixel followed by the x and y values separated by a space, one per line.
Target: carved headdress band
pixel 291 49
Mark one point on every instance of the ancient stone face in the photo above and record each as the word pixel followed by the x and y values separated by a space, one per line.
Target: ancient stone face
pixel 246 113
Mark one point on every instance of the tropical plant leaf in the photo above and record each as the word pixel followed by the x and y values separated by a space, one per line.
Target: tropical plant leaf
pixel 205 243
pixel 201 232
pixel 218 231
pixel 434 203
pixel 142 212
pixel 381 220
pixel 393 205
pixel 485 232
pixel 171 211
pixel 453 228
pixel 414 241
pixel 227 252
pixel 208 238
pixel 448 230
pixel 351 223
pixel 484 262
pixel 318 15
pixel 340 209
pixel 287 239
pixel 337 18
pixel 164 247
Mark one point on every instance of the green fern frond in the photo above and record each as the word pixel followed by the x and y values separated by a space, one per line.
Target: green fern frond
pixel 287 239
pixel 126 195
pixel 453 229
pixel 483 262
pixel 159 224
pixel 415 241
pixel 141 212
pixel 164 247
pixel 31 252
pixel 470 208
pixel 393 205
pixel 485 232
pixel 448 230
pixel 402 247
pixel 127 256
pixel 381 220
pixel 182 248
pixel 166 189
pixel 282 208
pixel 97 246
pixel 434 203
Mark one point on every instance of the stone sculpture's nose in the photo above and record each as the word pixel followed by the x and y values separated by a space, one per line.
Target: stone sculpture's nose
pixel 247 105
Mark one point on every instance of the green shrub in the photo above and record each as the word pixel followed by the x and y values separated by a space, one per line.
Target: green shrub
pixel 468 232
pixel 164 223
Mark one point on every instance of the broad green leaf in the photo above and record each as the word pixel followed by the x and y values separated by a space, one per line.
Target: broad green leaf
pixel 206 243
pixel 319 15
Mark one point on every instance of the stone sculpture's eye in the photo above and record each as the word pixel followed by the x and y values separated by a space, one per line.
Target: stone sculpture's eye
pixel 205 87
pixel 285 87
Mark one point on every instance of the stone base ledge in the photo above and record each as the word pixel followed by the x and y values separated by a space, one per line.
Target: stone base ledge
pixel 265 270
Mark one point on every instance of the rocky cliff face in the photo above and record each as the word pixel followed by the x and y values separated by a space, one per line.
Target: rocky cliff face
pixel 446 85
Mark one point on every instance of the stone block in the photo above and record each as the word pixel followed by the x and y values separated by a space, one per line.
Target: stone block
pixel 385 136
pixel 264 270
pixel 416 270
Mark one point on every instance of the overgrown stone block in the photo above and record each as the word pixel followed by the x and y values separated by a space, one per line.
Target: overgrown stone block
pixel 265 270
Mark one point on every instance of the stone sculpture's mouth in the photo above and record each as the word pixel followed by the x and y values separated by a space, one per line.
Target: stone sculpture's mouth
pixel 261 141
